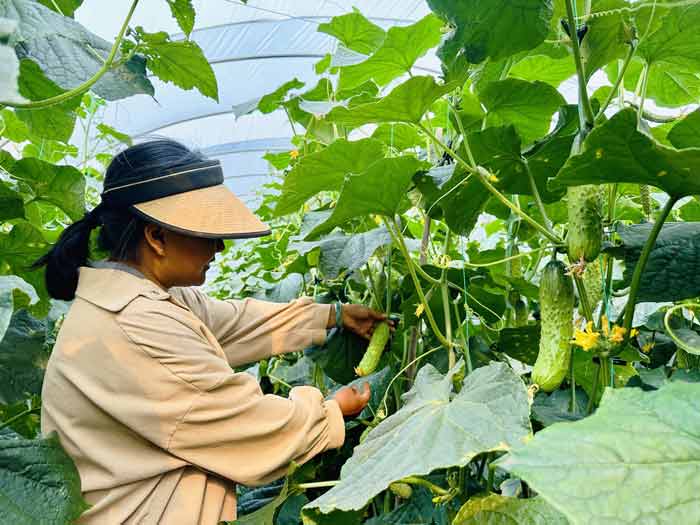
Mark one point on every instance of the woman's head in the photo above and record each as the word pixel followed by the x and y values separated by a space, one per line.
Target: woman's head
pixel 155 213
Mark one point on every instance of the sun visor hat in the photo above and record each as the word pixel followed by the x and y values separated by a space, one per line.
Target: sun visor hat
pixel 191 200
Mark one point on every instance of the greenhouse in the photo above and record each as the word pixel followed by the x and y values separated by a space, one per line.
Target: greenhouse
pixel 339 263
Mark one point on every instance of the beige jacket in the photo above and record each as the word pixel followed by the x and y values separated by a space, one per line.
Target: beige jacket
pixel 141 392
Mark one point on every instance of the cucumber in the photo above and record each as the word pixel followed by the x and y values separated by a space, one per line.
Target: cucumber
pixel 556 329
pixel 374 350
pixel 593 281
pixel 585 235
pixel 402 490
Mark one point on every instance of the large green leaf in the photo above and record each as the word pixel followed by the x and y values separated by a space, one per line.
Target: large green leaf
pixel 355 32
pixel 8 285
pixel 407 102
pixel 270 102
pixel 19 248
pixel 23 357
pixel 396 56
pixel 11 203
pixel 68 53
pixel 62 186
pixel 326 170
pixel 181 62
pixel 529 106
pixel 9 65
pixel 38 483
pixel 553 71
pixel 522 343
pixel 65 7
pixel 666 276
pixel 686 133
pixel 339 355
pixel 499 510
pixel 11 127
pixel 183 13
pixel 379 190
pixel 668 84
pixel 676 41
pixel 635 460
pixel 398 136
pixel 54 122
pixel 618 152
pixel 495 29
pixel 548 409
pixel 490 413
pixel 344 252
pixel 418 510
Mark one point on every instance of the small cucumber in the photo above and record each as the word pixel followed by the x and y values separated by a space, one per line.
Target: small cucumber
pixel 374 350
pixel 556 328
pixel 585 235
pixel 402 490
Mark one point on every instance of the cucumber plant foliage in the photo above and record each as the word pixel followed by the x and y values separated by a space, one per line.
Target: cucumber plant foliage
pixel 444 199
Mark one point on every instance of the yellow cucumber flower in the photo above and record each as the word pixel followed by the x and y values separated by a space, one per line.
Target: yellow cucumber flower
pixel 586 339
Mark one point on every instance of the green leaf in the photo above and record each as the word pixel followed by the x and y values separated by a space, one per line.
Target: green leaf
pixel 529 106
pixel 379 190
pixel 396 56
pixel 18 249
pixel 585 370
pixel 182 62
pixel 522 343
pixel 618 152
pixel 496 29
pixel 668 84
pixel 555 407
pixel 9 71
pixel 326 170
pixel 339 355
pixel 266 514
pixel 544 68
pixel 355 32
pixel 418 510
pixel 686 132
pixel 344 252
pixel 11 127
pixel 64 7
pixel 676 41
pixel 68 53
pixel 407 102
pixel 294 374
pixel 23 357
pixel 8 285
pixel 183 13
pixel 490 413
pixel 399 136
pixel 109 131
pixel 637 462
pixel 499 510
pixel 38 483
pixel 607 37
pixel 62 186
pixel 666 276
pixel 54 122
pixel 11 203
pixel 270 102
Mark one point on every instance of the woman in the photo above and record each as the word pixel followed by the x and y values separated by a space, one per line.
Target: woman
pixel 139 386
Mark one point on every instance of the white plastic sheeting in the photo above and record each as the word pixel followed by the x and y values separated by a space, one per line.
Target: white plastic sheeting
pixel 253 49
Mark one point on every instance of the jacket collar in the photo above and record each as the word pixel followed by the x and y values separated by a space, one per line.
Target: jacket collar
pixel 113 288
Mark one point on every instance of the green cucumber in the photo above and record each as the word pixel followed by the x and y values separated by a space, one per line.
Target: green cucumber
pixel 556 329
pixel 593 282
pixel 374 350
pixel 584 204
pixel 402 490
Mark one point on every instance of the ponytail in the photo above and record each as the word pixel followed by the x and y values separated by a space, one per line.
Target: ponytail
pixel 67 255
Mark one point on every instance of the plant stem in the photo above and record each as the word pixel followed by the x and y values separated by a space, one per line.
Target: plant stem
pixel 572 405
pixel 317 485
pixel 415 480
pixel 594 390
pixel 397 237
pixel 480 172
pixel 19 416
pixel 536 195
pixel 643 95
pixel 642 262
pixel 82 88
pixel 585 110
pixel 492 474
pixel 620 78
pixel 413 344
pixel 448 320
pixel 583 297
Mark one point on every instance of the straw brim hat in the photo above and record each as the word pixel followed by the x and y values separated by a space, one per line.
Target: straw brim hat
pixel 213 212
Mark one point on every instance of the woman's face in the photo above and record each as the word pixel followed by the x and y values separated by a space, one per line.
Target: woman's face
pixel 175 259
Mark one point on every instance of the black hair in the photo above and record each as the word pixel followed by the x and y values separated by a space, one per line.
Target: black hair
pixel 121 229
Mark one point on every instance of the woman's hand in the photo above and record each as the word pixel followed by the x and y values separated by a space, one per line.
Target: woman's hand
pixel 351 400
pixel 361 320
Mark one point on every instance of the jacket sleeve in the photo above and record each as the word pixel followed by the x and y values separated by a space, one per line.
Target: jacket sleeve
pixel 250 329
pixel 219 420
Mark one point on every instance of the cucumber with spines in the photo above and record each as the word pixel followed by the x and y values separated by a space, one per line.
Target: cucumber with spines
pixel 373 354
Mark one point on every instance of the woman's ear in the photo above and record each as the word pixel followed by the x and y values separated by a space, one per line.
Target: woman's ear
pixel 154 236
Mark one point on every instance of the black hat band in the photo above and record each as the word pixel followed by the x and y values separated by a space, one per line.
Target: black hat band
pixel 180 180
